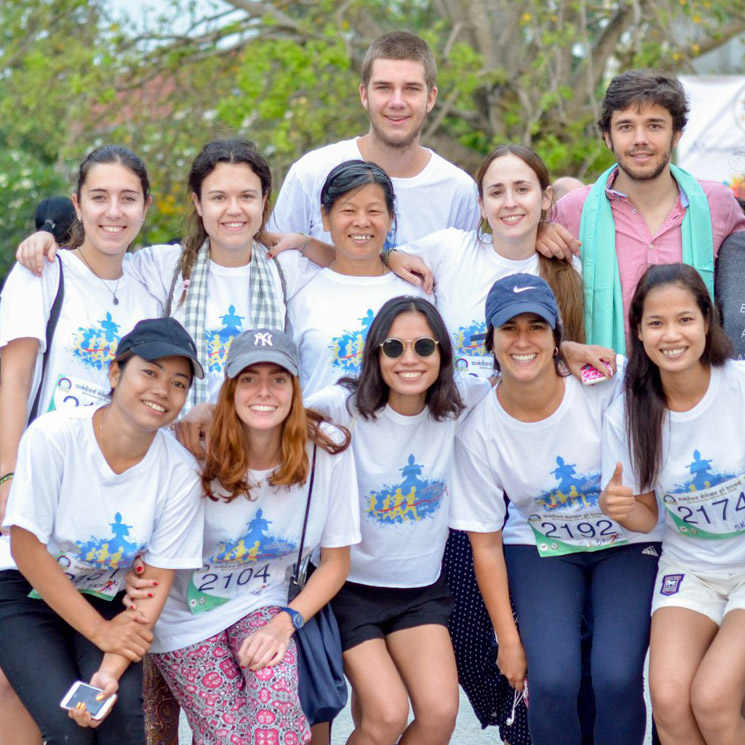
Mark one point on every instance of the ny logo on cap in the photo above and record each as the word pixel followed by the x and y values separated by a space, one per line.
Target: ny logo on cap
pixel 263 339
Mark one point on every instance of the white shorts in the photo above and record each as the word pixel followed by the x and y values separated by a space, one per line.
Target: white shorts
pixel 713 593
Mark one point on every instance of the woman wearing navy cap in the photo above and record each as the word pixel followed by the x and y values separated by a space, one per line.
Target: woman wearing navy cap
pixel 538 440
pixel 93 488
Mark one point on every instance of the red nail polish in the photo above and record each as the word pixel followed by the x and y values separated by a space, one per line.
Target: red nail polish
pixel 150 594
pixel 132 607
pixel 139 570
pixel 155 583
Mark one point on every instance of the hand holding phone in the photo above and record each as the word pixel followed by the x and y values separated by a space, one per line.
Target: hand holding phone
pixel 83 698
pixel 590 375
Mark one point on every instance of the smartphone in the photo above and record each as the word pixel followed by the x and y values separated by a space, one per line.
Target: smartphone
pixel 83 693
pixel 590 375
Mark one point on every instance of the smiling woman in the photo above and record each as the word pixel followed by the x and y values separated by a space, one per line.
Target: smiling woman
pixel 227 630
pixel 93 489
pixel 358 208
pixel 537 438
pixel 394 609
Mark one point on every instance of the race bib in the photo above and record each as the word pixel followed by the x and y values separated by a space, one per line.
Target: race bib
pixel 214 585
pixel 714 513
pixel 102 582
pixel 70 391
pixel 566 533
pixel 481 366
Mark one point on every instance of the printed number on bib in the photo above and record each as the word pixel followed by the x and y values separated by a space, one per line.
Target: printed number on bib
pixel 102 582
pixel 559 534
pixel 714 513
pixel 212 586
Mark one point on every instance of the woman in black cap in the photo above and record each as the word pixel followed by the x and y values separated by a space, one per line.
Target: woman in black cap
pixel 59 330
pixel 94 488
pixel 538 440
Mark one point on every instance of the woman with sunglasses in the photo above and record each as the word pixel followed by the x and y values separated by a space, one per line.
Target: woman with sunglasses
pixel 393 611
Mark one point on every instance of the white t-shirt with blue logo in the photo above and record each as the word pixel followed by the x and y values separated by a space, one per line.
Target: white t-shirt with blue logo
pixel 701 486
pixel 330 315
pixel 88 331
pixel 95 521
pixel 550 470
pixel 465 267
pixel 403 478
pixel 227 311
pixel 250 547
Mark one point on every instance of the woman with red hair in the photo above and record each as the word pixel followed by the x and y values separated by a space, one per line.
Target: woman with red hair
pixel 225 644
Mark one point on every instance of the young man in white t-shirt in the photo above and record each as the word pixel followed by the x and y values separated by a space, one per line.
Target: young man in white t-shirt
pixel 398 91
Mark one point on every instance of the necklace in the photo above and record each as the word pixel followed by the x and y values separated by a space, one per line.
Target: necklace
pixel 101 279
pixel 100 431
pixel 271 469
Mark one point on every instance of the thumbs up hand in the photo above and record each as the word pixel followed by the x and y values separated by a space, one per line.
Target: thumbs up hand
pixel 616 500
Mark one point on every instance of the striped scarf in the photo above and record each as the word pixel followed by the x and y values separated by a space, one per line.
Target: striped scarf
pixel 264 307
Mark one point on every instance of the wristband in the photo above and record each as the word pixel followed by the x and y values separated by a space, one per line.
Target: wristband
pixel 7 477
pixel 386 253
pixel 305 245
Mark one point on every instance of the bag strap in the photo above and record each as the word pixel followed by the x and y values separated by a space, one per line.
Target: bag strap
pixel 54 315
pixel 307 512
pixel 171 289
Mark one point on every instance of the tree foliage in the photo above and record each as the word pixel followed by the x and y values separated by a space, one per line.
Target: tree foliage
pixel 285 73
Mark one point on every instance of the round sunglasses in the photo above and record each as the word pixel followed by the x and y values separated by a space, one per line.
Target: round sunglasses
pixel 424 346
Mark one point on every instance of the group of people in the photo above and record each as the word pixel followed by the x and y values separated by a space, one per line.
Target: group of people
pixel 390 371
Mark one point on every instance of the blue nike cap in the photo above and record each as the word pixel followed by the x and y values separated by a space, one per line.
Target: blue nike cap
pixel 520 293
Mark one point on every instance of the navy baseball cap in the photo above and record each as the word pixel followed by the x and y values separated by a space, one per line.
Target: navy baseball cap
pixel 155 338
pixel 520 293
pixel 262 345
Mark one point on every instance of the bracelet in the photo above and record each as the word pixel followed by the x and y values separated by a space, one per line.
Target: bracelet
pixel 305 245
pixel 386 254
pixel 7 477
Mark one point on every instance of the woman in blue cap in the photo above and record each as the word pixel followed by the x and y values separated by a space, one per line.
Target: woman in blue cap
pixel 537 439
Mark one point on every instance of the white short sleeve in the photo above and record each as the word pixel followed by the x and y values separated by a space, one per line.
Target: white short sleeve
pixel 478 499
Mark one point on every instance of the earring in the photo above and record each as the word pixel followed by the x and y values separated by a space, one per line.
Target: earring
pixel 556 351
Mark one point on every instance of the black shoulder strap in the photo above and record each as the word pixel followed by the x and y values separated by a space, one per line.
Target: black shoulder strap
pixel 51 326
pixel 307 512
pixel 169 302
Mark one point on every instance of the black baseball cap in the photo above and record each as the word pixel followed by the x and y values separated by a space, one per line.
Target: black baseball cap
pixel 520 293
pixel 155 338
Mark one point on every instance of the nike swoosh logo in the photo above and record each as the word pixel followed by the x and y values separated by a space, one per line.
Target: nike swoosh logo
pixel 522 289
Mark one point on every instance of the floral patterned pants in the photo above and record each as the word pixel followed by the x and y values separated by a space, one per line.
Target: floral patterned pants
pixel 227 705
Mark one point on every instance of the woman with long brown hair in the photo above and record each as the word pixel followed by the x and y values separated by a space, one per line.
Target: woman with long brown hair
pixel 225 645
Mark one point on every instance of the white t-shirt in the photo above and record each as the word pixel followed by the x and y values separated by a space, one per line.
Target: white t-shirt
pixel 250 547
pixel 228 310
pixel 465 268
pixel 701 485
pixel 88 330
pixel 95 521
pixel 440 196
pixel 550 470
pixel 403 475
pixel 330 315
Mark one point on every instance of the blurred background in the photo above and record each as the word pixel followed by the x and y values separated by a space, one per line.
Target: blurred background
pixel 165 76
